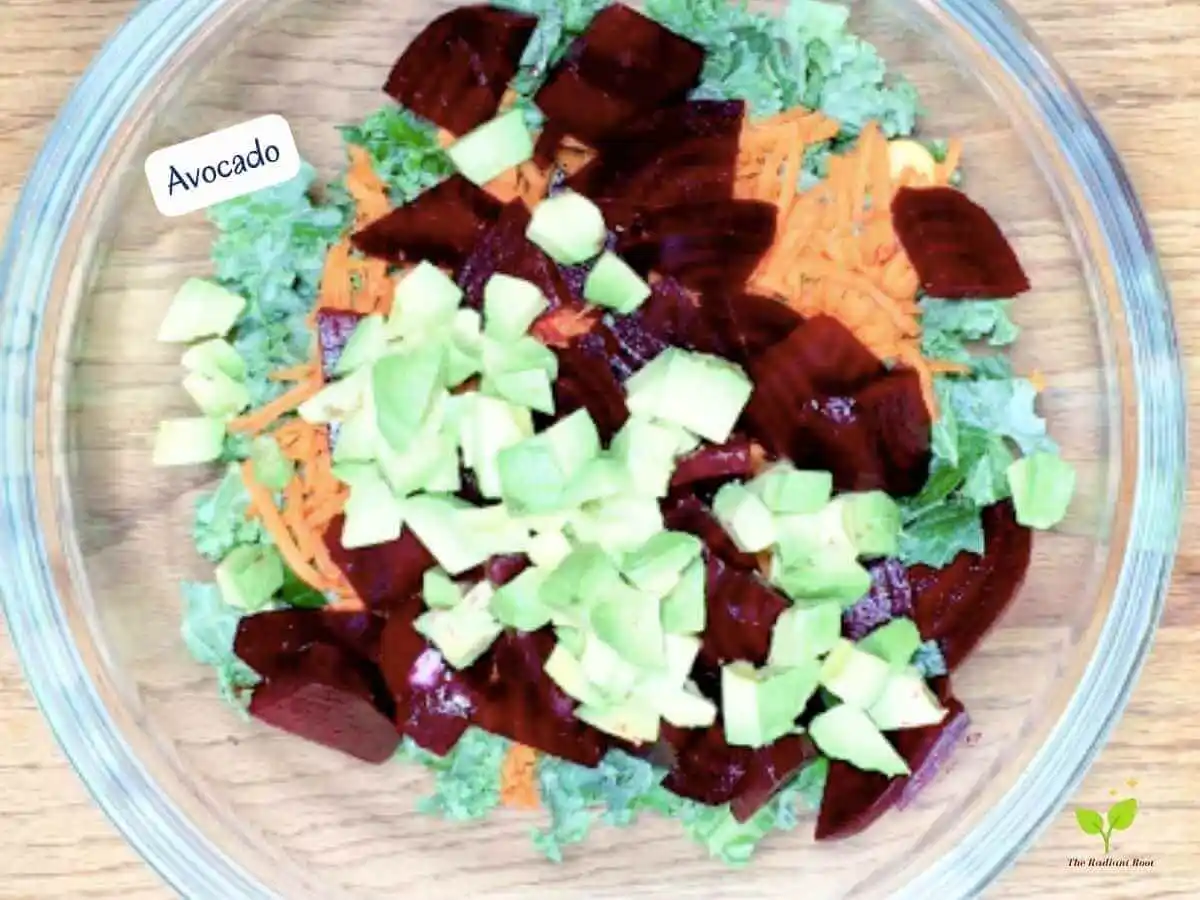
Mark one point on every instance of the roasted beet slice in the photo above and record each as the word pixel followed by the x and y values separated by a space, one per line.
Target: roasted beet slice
pixel 693 132
pixel 622 65
pixel 705 246
pixel 770 770
pixel 441 225
pixel 751 324
pixel 733 459
pixel 705 767
pixel 334 328
pixel 955 245
pixel 890 597
pixel 895 410
pixel 854 799
pixel 324 697
pixel 586 381
pixel 684 511
pixel 503 569
pixel 957 605
pixel 270 641
pixel 384 574
pixel 434 703
pixel 455 72
pixel 742 611
pixel 520 701
pixel 504 249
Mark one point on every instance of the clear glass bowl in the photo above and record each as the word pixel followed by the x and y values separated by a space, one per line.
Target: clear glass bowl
pixel 93 541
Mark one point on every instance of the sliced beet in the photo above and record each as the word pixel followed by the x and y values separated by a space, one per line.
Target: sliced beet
pixel 269 642
pixel 957 605
pixel 854 799
pixel 334 328
pixel 434 703
pixel 503 569
pixel 770 770
pixel 705 767
pixel 586 381
pixel 679 131
pixel 895 410
pixel 384 574
pixel 441 225
pixel 324 697
pixel 622 65
pixel 890 597
pixel 742 611
pixel 684 511
pixel 955 245
pixel 733 459
pixel 705 246
pixel 455 72
pixel 518 700
pixel 504 249
pixel 751 324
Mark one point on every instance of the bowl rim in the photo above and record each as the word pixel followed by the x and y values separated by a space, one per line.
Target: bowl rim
pixel 116 82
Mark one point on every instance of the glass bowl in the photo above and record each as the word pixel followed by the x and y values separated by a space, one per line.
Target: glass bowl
pixel 94 542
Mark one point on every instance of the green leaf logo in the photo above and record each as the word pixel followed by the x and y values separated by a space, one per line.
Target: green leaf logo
pixel 1120 817
pixel 1090 821
pixel 1121 814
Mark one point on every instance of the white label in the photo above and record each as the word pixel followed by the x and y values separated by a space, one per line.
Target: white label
pixel 222 165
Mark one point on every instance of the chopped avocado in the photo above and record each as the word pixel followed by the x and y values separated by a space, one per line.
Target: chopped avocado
pixel 493 148
pixel 745 517
pixel 607 671
pixel 425 302
pixel 434 519
pixel 599 479
pixel 565 670
pixel 683 707
pixel 681 653
pixel 629 621
pixel 839 578
pixel 188 442
pixel 895 643
pixel 803 633
pixel 569 228
pixel 464 351
pixel 200 309
pixel 353 473
pixel 847 733
pixel 762 705
pixel 648 450
pixel 249 576
pixel 495 528
pixel 787 490
pixel 405 387
pixel 271 468
pixel 488 426
pixel 548 549
pixel 440 591
pixel 614 284
pixel 530 388
pixel 574 639
pixel 806 536
pixel 518 604
pixel 618 524
pixel 632 721
pixel 522 355
pixel 414 469
pixel 358 438
pixel 445 477
pixel 536 473
pixel 854 676
pixel 1042 487
pixel 461 634
pixel 704 394
pixel 368 342
pixel 213 356
pixel 872 523
pixel 217 396
pixel 373 514
pixel 658 564
pixel 684 610
pixel 337 400
pixel 511 306
pixel 582 577
pixel 906 702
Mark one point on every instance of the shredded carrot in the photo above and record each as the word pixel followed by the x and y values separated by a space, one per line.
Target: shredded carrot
pixel 505 187
pixel 366 187
pixel 445 138
pixel 518 778
pixel 301 372
pixel 263 508
pixel 258 420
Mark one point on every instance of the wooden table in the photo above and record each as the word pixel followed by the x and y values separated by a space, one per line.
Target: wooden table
pixel 1137 62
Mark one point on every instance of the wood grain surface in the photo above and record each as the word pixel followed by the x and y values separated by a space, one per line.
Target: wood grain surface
pixel 1138 63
